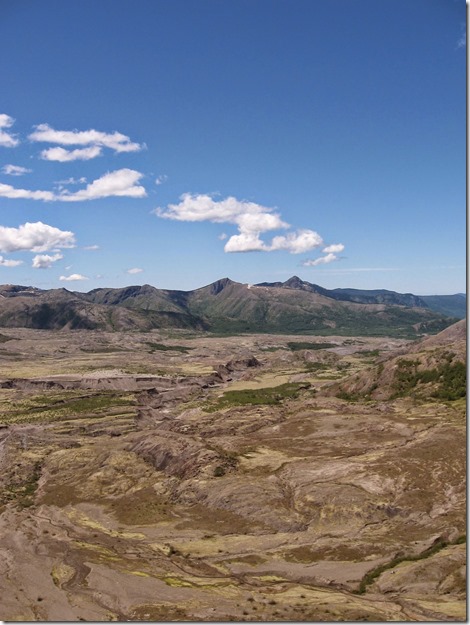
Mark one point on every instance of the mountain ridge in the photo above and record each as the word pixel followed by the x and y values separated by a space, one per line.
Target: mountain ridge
pixel 228 307
pixel 452 305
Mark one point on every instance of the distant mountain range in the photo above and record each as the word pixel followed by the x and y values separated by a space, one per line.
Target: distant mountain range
pixel 294 307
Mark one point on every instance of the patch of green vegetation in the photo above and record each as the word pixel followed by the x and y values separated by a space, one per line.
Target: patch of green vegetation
pixel 296 346
pixel 258 397
pixel 347 396
pixel 316 366
pixel 372 575
pixel 167 348
pixel 450 378
pixel 23 493
pixel 102 350
pixel 273 349
pixel 66 408
pixel 142 507
pixel 369 353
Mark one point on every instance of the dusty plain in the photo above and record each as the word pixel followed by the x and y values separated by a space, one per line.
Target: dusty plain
pixel 174 476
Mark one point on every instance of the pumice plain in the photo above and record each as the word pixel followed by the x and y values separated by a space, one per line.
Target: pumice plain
pixel 173 475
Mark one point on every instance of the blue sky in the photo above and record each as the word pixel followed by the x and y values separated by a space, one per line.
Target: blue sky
pixel 175 142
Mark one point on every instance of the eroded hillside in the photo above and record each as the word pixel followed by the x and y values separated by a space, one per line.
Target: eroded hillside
pixel 156 477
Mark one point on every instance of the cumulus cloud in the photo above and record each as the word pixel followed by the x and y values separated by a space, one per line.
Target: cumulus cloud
pixel 15 170
pixel 45 261
pixel 115 141
pixel 336 248
pixel 121 182
pixel 134 270
pixel 63 156
pixel 251 219
pixel 323 260
pixel 5 262
pixel 34 237
pixel 245 242
pixel 73 277
pixel 7 140
pixel 205 208
pixel 297 242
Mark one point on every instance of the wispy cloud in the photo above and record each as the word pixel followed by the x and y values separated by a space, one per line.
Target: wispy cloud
pixel 45 261
pixel 91 247
pixel 74 277
pixel 358 270
pixel 335 248
pixel 6 262
pixel 71 180
pixel 15 170
pixel 323 260
pixel 34 237
pixel 63 156
pixel 161 179
pixel 134 270
pixel 251 219
pixel 7 140
pixel 331 252
pixel 94 138
pixel 121 182
pixel 7 190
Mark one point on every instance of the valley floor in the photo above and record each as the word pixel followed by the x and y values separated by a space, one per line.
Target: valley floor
pixel 159 477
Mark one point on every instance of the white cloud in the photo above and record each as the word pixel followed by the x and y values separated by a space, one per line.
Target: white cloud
pixel 462 42
pixel 252 220
pixel 15 170
pixel 4 262
pixel 134 270
pixel 72 180
pixel 34 237
pixel 161 179
pixel 245 242
pixel 91 247
pixel 222 236
pixel 121 182
pixel 64 156
pixel 6 190
pixel 205 208
pixel 259 222
pixel 335 248
pixel 73 277
pixel 323 260
pixel 7 140
pixel 297 243
pixel 115 141
pixel 45 261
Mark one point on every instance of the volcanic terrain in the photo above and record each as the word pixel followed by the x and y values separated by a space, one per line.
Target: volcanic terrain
pixel 173 475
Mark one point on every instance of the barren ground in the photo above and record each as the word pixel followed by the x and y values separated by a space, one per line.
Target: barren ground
pixel 146 483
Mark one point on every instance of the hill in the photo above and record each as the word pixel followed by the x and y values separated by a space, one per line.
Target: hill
pixel 433 367
pixel 225 307
pixel 450 305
